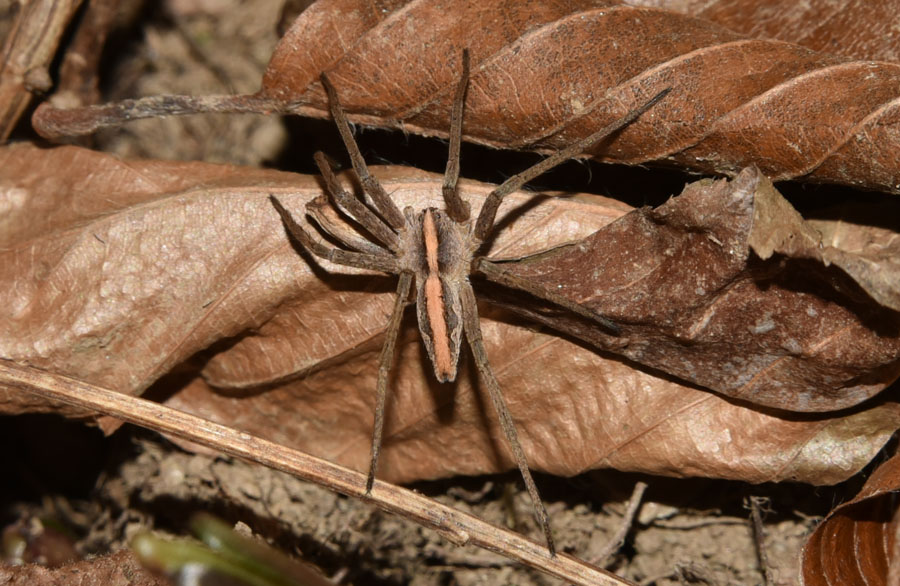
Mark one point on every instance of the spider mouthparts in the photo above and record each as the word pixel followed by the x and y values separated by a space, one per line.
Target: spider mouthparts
pixel 446 377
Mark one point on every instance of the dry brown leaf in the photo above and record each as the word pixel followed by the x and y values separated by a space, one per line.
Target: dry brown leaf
pixel 120 271
pixel 540 80
pixel 867 252
pixel 856 545
pixel 694 302
pixel 859 30
pixel 124 270
pixel 574 410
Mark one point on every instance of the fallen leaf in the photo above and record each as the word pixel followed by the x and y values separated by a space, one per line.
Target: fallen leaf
pixel 540 81
pixel 689 284
pixel 574 411
pixel 853 240
pixel 122 270
pixel 125 271
pixel 858 30
pixel 856 544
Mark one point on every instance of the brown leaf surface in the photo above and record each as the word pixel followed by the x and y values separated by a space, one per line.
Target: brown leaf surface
pixel 121 271
pixel 858 30
pixel 856 545
pixel 736 101
pixel 540 80
pixel 593 413
pixel 118 569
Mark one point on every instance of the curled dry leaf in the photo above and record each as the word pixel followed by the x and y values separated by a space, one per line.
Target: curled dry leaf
pixel 694 302
pixel 540 80
pixel 121 271
pixel 857 543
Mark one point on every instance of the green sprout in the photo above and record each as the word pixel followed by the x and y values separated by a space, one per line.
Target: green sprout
pixel 224 553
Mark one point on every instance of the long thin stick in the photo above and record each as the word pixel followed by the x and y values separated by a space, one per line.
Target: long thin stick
pixel 759 538
pixel 618 539
pixel 456 526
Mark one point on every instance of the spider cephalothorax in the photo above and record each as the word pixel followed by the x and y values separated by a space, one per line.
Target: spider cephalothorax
pixel 438 250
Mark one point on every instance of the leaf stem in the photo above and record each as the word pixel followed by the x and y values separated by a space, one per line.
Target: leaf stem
pixel 52 123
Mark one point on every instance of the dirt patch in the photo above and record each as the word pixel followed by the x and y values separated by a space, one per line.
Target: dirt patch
pixel 686 530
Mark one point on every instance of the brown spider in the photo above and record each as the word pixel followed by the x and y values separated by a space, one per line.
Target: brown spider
pixel 438 250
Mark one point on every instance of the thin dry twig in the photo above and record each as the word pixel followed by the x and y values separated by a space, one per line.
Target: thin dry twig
pixel 458 527
pixel 27 54
pixel 759 538
pixel 618 538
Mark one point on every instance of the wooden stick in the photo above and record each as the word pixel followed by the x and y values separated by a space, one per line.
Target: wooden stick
pixel 759 539
pixel 454 525
pixel 618 538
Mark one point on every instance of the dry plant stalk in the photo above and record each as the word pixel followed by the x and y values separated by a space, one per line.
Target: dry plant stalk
pixel 456 526
pixel 27 53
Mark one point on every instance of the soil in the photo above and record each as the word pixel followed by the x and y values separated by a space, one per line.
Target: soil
pixel 106 489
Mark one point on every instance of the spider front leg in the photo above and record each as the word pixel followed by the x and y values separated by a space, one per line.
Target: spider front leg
pixel 488 213
pixel 360 260
pixel 473 335
pixel 357 209
pixel 380 198
pixel 365 261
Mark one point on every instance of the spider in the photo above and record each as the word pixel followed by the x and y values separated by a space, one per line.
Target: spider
pixel 438 251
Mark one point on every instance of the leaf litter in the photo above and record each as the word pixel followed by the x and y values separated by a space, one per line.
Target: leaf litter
pixel 737 101
pixel 868 238
pixel 153 263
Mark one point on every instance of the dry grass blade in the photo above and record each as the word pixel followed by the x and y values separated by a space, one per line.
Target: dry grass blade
pixel 458 527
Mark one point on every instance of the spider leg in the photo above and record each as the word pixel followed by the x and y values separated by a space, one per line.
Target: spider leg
pixel 324 214
pixel 489 210
pixel 384 369
pixel 457 209
pixel 493 272
pixel 360 260
pixel 370 185
pixel 360 212
pixel 473 334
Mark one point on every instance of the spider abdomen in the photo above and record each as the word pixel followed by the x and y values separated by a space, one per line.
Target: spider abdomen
pixel 440 260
